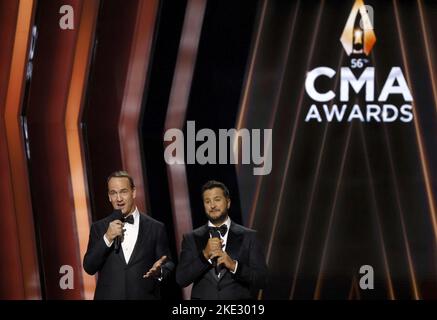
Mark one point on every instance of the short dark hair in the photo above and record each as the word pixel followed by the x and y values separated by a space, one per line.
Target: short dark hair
pixel 215 184
pixel 122 174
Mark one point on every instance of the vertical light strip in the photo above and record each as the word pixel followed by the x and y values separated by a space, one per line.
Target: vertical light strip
pixel 401 214
pixel 416 293
pixel 423 162
pixel 318 289
pixel 418 131
pixel 129 121
pixel 249 78
pixel 72 125
pixel 429 60
pixel 293 135
pixel 176 115
pixel 273 117
pixel 17 157
pixel 378 221
pixel 354 292
pixel 391 292
pixel 352 289
pixel 11 276
pixel 313 190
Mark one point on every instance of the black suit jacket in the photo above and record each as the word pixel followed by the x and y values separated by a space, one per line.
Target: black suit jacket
pixel 243 246
pixel 118 280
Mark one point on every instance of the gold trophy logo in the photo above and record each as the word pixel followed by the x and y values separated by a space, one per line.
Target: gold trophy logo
pixel 358 38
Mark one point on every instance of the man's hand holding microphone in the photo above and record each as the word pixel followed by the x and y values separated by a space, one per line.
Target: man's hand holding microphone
pixel 115 229
pixel 213 251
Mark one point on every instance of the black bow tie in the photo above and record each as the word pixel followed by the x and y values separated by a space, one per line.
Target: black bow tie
pixel 222 229
pixel 129 219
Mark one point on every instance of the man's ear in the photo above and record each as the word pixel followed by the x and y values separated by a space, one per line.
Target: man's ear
pixel 229 203
pixel 134 193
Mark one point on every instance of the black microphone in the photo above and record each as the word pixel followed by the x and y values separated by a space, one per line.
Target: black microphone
pixel 117 215
pixel 215 234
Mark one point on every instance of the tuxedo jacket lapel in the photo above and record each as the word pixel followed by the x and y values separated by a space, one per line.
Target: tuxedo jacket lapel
pixel 142 231
pixel 234 242
pixel 121 256
pixel 120 253
pixel 201 238
pixel 233 246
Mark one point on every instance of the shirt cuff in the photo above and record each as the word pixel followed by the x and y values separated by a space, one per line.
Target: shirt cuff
pixel 107 241
pixel 236 267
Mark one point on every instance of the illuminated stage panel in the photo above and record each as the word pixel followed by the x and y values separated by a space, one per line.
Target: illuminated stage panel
pixel 18 174
pixel 74 135
pixel 49 167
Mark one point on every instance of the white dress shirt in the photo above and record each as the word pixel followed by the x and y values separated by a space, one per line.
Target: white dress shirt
pixel 130 236
pixel 225 239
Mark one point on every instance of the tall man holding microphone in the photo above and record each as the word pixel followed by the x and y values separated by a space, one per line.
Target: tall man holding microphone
pixel 128 249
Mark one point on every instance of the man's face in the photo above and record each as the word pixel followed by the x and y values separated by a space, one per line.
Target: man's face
pixel 216 205
pixel 121 195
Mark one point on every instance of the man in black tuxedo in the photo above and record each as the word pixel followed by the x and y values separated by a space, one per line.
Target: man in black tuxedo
pixel 124 245
pixel 222 259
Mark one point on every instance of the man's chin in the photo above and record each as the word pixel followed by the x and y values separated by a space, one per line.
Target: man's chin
pixel 218 219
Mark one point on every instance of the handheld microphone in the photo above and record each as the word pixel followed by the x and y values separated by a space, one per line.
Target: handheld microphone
pixel 117 242
pixel 117 215
pixel 215 234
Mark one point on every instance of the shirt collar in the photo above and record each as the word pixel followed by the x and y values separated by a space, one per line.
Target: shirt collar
pixel 136 215
pixel 227 223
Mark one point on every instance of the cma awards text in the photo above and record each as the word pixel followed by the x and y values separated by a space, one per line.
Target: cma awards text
pixel 394 87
